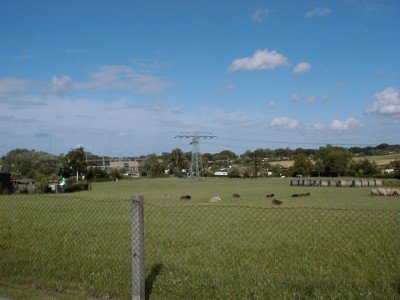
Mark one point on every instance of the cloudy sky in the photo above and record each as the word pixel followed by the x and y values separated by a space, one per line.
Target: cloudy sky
pixel 125 77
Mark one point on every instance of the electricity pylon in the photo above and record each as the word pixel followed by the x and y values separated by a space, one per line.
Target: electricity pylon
pixel 195 163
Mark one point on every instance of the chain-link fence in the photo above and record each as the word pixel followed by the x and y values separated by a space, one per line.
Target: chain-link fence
pixel 76 245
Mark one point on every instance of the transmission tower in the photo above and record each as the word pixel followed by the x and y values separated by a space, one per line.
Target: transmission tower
pixel 195 164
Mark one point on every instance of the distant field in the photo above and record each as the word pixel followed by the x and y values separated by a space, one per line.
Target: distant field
pixel 240 248
pixel 381 159
pixel 283 163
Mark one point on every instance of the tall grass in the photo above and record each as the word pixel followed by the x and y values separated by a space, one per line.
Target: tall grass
pixel 241 248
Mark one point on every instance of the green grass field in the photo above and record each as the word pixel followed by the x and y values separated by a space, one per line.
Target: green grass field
pixel 337 243
pixel 381 160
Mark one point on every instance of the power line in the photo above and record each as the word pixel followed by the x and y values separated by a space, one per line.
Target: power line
pixel 292 143
pixel 195 163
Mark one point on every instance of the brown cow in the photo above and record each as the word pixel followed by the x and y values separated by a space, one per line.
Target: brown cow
pixel 236 196
pixel 186 197
pixel 276 202
pixel 301 195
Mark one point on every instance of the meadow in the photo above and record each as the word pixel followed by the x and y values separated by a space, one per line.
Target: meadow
pixel 337 243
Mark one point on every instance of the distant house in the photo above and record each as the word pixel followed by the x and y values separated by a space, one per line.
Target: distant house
pixel 24 185
pixel 388 171
pixel 127 165
pixel 221 173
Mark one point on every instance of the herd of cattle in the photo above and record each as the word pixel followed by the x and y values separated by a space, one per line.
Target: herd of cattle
pixel 336 182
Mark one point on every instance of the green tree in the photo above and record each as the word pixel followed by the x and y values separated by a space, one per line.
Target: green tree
pixel 152 166
pixel 73 162
pixel 177 161
pixel 363 168
pixel 302 165
pixel 234 172
pixel 30 163
pixel 335 160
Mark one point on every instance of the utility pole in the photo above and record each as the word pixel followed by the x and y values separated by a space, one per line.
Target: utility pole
pixel 195 163
pixel 109 150
pixel 255 165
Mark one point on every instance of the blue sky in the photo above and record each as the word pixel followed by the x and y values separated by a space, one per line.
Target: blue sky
pixel 125 77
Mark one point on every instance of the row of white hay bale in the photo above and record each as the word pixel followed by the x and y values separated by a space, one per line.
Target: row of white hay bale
pixel 336 182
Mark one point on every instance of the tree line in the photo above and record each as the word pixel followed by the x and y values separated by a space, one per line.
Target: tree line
pixel 324 161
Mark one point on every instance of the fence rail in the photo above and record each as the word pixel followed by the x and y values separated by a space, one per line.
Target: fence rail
pixel 68 243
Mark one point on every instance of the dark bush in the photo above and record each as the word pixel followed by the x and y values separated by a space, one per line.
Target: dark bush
pixel 76 186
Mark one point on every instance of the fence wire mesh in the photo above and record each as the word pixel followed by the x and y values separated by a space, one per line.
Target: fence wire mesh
pixel 73 244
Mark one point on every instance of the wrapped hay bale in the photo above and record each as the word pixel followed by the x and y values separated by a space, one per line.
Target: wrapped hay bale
pixel 364 182
pixel 356 183
pixel 371 182
pixel 317 182
pixel 333 183
pixel 165 197
pixel 306 182
pixel 324 183
pixel 294 182
pixel 343 183
pixel 215 199
pixel 378 182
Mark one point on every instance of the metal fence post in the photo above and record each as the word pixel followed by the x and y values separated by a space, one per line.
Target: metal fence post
pixel 137 227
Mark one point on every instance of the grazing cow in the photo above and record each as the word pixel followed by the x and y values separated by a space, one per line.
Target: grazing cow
pixel 305 194
pixel 270 196
pixel 276 202
pixel 185 197
pixel 236 196
pixel 301 195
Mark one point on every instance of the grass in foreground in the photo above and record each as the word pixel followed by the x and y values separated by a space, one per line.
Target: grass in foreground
pixel 65 242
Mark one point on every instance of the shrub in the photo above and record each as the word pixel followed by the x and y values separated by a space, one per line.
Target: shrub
pixel 76 186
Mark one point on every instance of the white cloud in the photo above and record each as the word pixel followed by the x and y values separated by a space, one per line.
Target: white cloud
pixel 318 12
pixel 14 86
pixel 271 104
pixel 261 60
pixel 119 77
pixel 176 110
pixel 149 64
pixel 319 126
pixel 302 67
pixel 386 102
pixel 284 122
pixel 114 77
pixel 304 98
pixel 61 85
pixel 338 125
pixel 260 14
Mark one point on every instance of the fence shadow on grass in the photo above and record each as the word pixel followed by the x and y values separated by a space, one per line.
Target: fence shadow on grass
pixel 151 278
